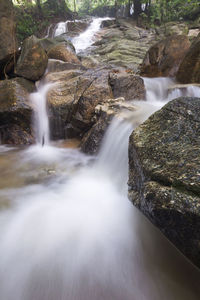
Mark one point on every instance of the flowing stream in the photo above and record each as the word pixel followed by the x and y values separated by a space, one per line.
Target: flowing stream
pixel 67 229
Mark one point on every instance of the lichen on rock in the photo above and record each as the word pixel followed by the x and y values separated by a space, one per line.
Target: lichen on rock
pixel 164 172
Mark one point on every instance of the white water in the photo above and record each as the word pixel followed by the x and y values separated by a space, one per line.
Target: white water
pixel 85 39
pixel 41 121
pixel 76 236
pixel 60 29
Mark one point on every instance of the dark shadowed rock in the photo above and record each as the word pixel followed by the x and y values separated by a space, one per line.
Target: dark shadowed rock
pixel 164 173
pixel 33 60
pixel 126 85
pixel 104 113
pixel 8 43
pixel 189 70
pixel 164 58
pixel 91 141
pixel 107 23
pixel 15 111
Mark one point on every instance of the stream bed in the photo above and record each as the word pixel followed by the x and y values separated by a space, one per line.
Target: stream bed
pixel 67 228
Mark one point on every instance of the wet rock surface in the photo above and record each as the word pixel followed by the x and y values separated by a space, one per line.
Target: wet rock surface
pixel 33 60
pixel 15 111
pixel 127 85
pixel 189 71
pixel 164 178
pixel 73 100
pixel 123 44
pixel 164 58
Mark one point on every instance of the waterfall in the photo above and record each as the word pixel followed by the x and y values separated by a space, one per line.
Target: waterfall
pixel 80 238
pixel 76 236
pixel 85 39
pixel 41 121
pixel 113 154
pixel 60 28
pixel 161 90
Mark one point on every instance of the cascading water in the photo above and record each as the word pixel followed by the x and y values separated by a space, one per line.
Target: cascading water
pixel 60 29
pixel 85 39
pixel 76 236
pixel 41 121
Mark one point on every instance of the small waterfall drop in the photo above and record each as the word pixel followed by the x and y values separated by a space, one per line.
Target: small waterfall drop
pixel 61 28
pixel 76 236
pixel 113 154
pixel 161 90
pixel 41 121
pixel 85 39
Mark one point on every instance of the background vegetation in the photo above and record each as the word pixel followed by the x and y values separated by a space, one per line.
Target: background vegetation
pixel 34 16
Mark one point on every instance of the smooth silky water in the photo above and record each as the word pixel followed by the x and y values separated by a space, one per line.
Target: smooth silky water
pixel 67 228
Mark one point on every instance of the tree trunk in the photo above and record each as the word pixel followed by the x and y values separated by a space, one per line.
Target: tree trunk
pixel 129 7
pixel 74 5
pixel 137 8
pixel 39 7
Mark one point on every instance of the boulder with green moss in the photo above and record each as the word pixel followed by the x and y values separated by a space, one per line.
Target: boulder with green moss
pixel 164 173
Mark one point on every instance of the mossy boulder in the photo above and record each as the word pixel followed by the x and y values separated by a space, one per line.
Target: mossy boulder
pixel 33 60
pixel 164 173
pixel 16 111
pixel 124 45
pixel 165 57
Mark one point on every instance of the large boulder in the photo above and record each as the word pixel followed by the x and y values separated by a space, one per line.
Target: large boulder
pixel 8 43
pixel 16 111
pixel 73 99
pixel 127 85
pixel 97 90
pixel 48 43
pixel 64 53
pixel 189 70
pixel 33 60
pixel 61 101
pixel 123 45
pixel 59 48
pixel 164 173
pixel 164 58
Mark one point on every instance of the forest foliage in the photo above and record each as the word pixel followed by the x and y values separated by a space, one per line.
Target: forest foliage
pixel 35 15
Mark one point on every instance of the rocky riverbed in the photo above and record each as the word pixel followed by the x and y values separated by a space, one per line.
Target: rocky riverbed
pixel 92 87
